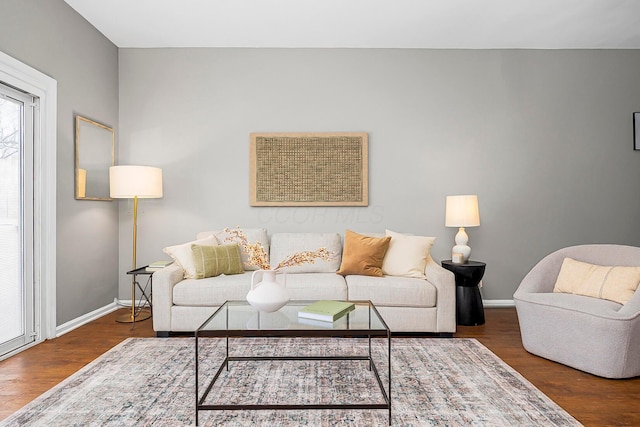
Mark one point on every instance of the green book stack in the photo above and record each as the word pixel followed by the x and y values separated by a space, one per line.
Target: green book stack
pixel 158 265
pixel 326 310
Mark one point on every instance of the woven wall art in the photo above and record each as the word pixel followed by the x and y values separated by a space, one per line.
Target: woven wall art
pixel 309 169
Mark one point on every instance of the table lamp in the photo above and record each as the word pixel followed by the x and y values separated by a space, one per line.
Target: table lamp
pixel 461 211
pixel 135 182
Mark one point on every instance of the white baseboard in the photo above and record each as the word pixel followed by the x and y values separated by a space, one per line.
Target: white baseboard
pixel 82 320
pixel 127 303
pixel 95 314
pixel 498 303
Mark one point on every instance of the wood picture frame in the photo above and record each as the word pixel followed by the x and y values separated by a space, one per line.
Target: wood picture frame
pixel 309 169
pixel 95 154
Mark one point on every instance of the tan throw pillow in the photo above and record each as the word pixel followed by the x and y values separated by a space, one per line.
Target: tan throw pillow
pixel 362 254
pixel 183 256
pixel 613 283
pixel 407 255
pixel 211 261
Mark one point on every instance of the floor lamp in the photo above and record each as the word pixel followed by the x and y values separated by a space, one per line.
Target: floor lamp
pixel 134 182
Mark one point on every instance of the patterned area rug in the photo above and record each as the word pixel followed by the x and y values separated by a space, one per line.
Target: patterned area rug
pixel 435 382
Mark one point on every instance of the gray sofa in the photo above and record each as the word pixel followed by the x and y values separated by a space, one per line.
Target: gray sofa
pixel 594 335
pixel 407 304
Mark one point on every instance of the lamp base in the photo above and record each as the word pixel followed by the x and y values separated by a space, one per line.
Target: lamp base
pixel 461 251
pixel 126 318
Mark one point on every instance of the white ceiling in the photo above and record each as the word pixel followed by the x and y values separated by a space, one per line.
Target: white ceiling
pixel 472 24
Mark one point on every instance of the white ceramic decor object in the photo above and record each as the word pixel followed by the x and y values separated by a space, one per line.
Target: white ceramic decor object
pixel 267 295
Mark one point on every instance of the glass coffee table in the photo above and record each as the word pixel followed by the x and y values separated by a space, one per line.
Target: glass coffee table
pixel 237 319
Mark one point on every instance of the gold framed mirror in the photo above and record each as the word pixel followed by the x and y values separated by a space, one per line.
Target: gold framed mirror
pixel 95 152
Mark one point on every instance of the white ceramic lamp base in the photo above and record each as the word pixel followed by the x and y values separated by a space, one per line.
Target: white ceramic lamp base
pixel 461 251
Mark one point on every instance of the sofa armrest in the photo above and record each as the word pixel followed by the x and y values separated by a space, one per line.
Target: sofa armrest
pixel 445 283
pixel 163 282
pixel 632 307
pixel 541 278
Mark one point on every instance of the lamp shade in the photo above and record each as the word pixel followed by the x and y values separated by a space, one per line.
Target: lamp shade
pixel 127 182
pixel 462 211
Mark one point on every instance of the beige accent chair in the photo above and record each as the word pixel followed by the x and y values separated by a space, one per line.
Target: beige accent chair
pixel 594 335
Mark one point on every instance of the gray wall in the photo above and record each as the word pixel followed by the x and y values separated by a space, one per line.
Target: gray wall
pixel 52 38
pixel 543 137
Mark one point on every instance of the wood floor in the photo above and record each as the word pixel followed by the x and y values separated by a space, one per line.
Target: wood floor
pixel 593 401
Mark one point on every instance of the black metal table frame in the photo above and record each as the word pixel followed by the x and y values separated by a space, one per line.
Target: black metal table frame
pixel 142 271
pixel 295 333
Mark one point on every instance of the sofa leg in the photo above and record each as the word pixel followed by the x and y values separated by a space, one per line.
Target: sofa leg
pixel 445 335
pixel 162 334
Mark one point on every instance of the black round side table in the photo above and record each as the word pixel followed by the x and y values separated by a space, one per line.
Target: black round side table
pixel 469 309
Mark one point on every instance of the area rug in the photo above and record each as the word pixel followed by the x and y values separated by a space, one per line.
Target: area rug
pixel 435 382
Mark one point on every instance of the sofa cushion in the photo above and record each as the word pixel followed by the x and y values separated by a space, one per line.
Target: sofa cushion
pixel 254 235
pixel 284 245
pixel 392 291
pixel 315 286
pixel 211 261
pixel 212 291
pixel 407 255
pixel 600 308
pixel 183 256
pixel 613 283
pixel 362 254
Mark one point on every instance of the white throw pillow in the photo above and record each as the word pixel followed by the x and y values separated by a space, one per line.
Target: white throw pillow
pixel 407 255
pixel 183 255
pixel 613 283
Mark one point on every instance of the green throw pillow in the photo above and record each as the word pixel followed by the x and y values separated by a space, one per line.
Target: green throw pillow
pixel 211 261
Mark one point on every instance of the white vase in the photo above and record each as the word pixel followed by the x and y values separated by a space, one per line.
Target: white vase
pixel 267 295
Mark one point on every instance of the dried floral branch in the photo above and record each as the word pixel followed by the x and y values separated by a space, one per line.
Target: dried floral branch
pixel 257 256
pixel 305 257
